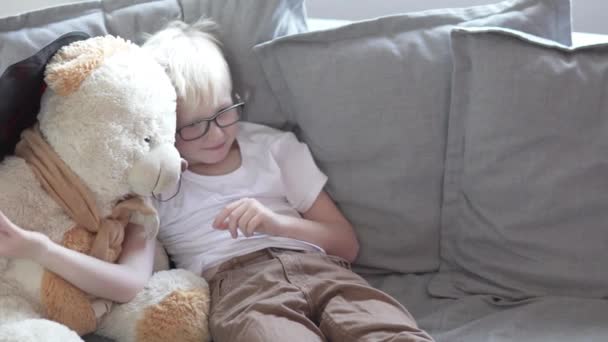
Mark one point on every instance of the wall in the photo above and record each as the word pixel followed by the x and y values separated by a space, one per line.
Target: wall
pixel 588 15
pixel 12 7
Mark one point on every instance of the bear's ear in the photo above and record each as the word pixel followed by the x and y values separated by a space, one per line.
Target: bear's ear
pixel 75 62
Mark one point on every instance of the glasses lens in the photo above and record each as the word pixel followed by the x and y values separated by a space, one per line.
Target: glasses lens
pixel 194 131
pixel 226 118
pixel 229 117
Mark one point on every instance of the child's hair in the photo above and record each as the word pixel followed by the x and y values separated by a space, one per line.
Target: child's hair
pixel 192 57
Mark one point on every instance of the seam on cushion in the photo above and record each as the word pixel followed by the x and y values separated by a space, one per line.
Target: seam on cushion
pixel 106 10
pixel 285 111
pixel 264 60
pixel 298 6
pixel 453 161
pixel 180 5
pixel 122 4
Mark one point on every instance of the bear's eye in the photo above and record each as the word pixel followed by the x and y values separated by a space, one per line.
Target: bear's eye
pixel 148 140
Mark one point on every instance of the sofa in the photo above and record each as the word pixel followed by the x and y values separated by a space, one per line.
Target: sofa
pixel 466 145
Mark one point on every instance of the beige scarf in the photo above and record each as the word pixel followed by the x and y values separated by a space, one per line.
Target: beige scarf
pixel 76 199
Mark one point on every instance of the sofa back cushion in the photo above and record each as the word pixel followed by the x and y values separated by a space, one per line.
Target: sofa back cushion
pixel 525 203
pixel 23 35
pixel 371 99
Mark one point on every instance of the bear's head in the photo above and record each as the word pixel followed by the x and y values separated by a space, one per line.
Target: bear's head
pixel 109 113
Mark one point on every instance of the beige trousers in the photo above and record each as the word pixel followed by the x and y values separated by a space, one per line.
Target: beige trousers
pixel 280 295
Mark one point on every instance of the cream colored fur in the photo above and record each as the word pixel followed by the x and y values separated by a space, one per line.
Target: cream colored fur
pixel 115 129
pixel 160 286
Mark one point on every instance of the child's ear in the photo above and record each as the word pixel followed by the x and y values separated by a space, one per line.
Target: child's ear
pixel 75 62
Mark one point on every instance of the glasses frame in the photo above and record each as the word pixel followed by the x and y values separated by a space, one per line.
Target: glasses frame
pixel 237 103
pixel 159 197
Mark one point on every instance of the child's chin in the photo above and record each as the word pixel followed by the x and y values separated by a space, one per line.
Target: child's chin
pixel 214 158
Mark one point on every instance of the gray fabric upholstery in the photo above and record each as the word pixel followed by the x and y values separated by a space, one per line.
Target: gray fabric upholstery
pixel 21 36
pixel 525 201
pixel 371 100
pixel 485 318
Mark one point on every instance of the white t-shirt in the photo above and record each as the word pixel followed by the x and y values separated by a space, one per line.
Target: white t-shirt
pixel 276 169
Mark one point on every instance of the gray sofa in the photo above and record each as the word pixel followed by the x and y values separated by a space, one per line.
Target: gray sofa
pixel 467 146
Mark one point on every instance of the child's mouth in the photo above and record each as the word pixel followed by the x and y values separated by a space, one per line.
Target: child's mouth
pixel 216 147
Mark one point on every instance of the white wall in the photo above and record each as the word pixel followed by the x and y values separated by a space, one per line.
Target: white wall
pixel 12 7
pixel 588 14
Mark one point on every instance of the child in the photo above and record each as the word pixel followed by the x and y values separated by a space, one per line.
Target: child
pixel 251 216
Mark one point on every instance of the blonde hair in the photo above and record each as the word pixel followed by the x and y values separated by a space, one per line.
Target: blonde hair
pixel 192 57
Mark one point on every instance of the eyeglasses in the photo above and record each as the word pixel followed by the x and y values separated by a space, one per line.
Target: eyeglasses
pixel 224 118
pixel 159 197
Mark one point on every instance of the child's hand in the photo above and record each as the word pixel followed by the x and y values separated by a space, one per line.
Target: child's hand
pixel 249 216
pixel 16 242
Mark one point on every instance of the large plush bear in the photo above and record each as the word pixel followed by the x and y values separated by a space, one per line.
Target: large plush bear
pixel 102 144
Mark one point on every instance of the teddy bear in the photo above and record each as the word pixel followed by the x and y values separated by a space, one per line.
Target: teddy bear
pixel 101 146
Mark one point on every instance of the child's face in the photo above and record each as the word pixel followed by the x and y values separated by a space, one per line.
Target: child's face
pixel 214 145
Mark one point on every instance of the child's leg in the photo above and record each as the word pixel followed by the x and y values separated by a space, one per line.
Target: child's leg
pixel 252 301
pixel 352 310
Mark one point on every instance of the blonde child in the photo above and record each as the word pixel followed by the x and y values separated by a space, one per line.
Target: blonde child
pixel 251 216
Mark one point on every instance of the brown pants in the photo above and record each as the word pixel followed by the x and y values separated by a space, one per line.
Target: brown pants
pixel 280 295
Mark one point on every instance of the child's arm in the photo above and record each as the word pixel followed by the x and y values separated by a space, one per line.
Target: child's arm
pixel 117 282
pixel 323 224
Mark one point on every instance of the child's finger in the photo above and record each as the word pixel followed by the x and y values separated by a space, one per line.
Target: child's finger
pixel 235 216
pixel 254 223
pixel 233 232
pixel 221 217
pixel 244 221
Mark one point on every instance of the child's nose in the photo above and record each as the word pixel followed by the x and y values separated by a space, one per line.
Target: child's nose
pixel 215 132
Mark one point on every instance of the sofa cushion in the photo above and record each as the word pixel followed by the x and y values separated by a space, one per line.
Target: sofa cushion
pixel 484 318
pixel 525 203
pixel 242 25
pixel 23 35
pixel 371 100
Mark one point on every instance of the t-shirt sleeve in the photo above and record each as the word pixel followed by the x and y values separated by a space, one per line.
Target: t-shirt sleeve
pixel 302 179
